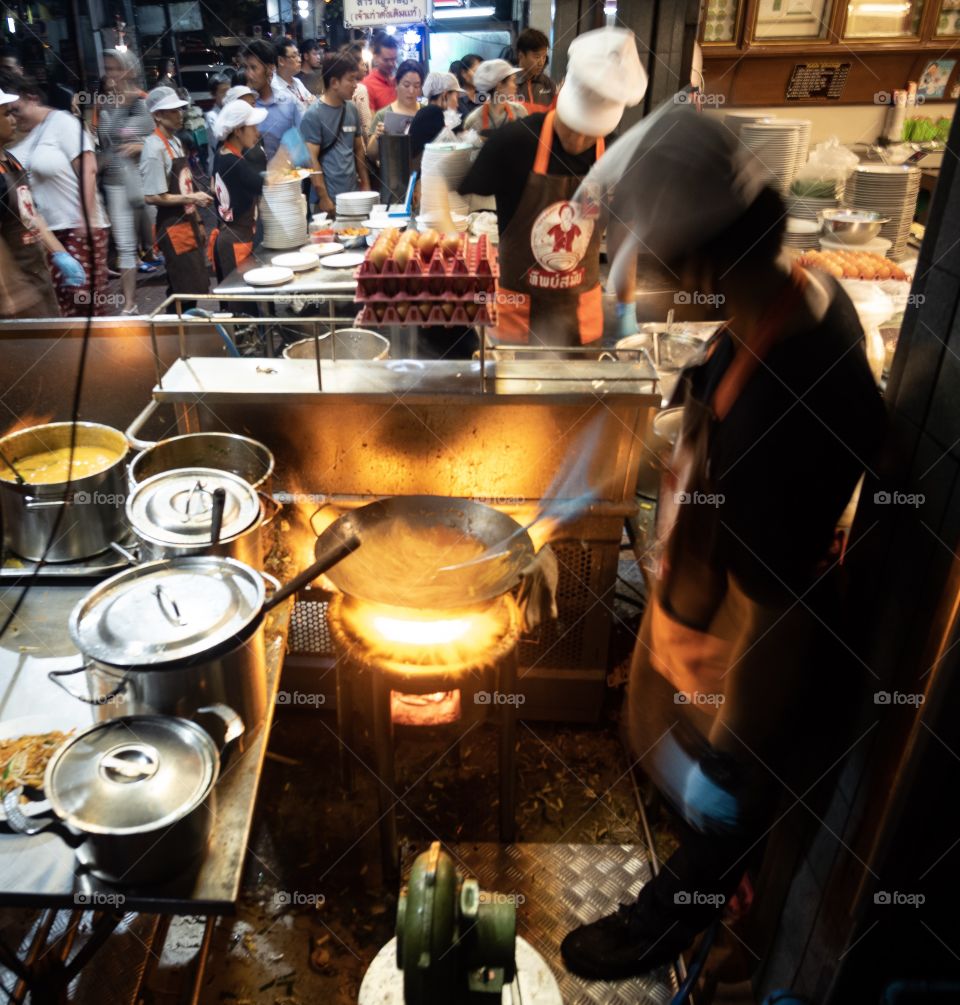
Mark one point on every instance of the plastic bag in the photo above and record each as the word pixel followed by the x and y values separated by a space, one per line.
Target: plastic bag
pixel 826 171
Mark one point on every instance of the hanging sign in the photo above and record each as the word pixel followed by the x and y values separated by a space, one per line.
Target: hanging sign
pixel 369 13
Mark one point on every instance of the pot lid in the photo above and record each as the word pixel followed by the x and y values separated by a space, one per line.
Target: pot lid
pixel 167 611
pixel 176 507
pixel 130 774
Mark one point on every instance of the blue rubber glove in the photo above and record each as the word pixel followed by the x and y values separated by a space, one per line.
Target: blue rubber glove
pixel 70 269
pixel 627 318
pixel 708 806
pixel 296 148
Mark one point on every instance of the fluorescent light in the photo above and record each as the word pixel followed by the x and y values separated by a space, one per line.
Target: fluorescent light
pixel 463 13
pixel 391 29
pixel 11 25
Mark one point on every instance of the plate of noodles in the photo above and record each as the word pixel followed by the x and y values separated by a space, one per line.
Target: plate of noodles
pixel 26 746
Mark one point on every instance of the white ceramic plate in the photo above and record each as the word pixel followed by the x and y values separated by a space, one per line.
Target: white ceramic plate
pixel 35 725
pixel 297 261
pixel 269 276
pixel 326 248
pixel 348 260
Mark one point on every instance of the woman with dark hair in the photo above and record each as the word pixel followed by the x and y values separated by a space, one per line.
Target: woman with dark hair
pixel 395 118
pixel 469 100
pixel 59 157
pixel 219 84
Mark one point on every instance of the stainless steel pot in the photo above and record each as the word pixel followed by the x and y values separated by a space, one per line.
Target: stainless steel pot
pixel 348 343
pixel 92 513
pixel 175 636
pixel 133 796
pixel 662 433
pixel 239 455
pixel 173 515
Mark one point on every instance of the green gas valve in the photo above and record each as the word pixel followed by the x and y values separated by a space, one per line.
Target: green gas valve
pixel 455 944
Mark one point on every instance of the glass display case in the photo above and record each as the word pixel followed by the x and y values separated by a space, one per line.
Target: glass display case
pixel 948 23
pixel 787 19
pixel 883 19
pixel 720 20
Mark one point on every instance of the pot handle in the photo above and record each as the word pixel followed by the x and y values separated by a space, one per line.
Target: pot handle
pixel 228 726
pixel 54 676
pixel 20 823
pixel 134 427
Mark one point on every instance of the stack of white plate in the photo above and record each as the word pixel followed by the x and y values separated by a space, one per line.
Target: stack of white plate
pixel 283 209
pixel 803 138
pixel 890 190
pixel 804 207
pixel 776 148
pixel 735 121
pixel 355 207
pixel 449 161
pixel 434 221
pixel 801 234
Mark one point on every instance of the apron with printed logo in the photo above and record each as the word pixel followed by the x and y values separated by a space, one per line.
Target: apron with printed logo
pixel 178 231
pixel 549 292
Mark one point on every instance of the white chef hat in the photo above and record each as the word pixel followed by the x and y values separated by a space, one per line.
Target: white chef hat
pixel 440 83
pixel 670 184
pixel 491 72
pixel 237 114
pixel 604 75
pixel 238 91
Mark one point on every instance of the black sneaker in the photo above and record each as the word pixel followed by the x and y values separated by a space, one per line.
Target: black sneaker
pixel 619 946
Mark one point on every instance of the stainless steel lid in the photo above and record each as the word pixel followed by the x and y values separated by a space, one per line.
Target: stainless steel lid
pixel 131 774
pixel 164 612
pixel 176 507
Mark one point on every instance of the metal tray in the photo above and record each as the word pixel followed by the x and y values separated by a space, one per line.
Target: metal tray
pixel 13 567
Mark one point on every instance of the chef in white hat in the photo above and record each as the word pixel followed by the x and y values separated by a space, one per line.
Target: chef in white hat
pixel 549 293
pixel 496 84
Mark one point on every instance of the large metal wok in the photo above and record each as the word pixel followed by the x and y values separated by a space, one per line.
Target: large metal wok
pixel 410 543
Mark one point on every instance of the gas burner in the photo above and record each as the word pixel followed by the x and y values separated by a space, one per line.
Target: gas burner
pixel 426 667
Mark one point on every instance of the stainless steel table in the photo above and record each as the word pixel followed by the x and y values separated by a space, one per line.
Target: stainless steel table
pixel 41 871
pixel 320 280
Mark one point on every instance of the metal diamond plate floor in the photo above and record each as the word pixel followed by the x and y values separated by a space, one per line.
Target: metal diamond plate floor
pixel 558 886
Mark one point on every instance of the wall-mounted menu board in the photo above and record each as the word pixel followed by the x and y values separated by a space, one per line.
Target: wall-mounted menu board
pixel 817 80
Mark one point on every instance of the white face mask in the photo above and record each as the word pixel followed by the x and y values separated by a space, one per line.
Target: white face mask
pixel 451 118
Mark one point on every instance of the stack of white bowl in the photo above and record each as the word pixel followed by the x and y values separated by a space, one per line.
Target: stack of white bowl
pixel 435 221
pixel 801 234
pixel 890 190
pixel 449 161
pixel 805 207
pixel 354 207
pixel 283 210
pixel 776 148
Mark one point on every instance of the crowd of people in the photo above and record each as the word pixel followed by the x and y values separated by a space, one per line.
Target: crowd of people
pixel 135 180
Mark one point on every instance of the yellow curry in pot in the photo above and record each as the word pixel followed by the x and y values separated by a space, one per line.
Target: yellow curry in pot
pixel 51 466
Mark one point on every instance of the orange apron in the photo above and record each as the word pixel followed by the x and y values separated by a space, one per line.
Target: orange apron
pixel 690 587
pixel 549 292
pixel 178 231
pixel 485 116
pixel 532 106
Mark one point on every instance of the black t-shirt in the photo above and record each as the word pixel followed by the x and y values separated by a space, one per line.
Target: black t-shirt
pixel 237 185
pixel 425 127
pixel 506 161
pixel 787 457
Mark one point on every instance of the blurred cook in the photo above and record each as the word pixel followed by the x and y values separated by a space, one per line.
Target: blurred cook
pixel 237 185
pixel 168 184
pixel 550 291
pixel 496 84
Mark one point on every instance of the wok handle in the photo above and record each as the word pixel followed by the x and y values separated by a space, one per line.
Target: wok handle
pixel 54 675
pixel 334 554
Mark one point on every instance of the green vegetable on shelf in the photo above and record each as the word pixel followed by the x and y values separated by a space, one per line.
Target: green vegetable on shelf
pixel 814 188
